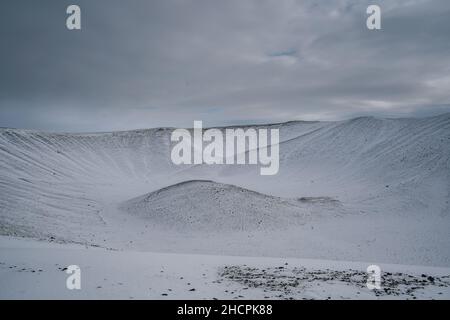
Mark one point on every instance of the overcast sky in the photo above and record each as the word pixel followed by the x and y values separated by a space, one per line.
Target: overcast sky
pixel 144 63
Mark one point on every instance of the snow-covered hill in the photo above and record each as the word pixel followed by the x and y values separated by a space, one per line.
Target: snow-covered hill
pixel 201 205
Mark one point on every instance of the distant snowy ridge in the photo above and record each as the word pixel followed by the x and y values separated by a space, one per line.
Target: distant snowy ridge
pixel 390 176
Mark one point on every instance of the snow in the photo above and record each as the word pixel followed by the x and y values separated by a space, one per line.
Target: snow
pixel 364 189
pixel 35 270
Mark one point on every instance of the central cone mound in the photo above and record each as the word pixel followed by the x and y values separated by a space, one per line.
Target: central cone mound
pixel 208 205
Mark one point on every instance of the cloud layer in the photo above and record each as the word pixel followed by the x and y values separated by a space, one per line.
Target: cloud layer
pixel 140 64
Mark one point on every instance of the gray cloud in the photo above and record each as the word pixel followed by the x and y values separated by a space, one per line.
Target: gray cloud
pixel 143 63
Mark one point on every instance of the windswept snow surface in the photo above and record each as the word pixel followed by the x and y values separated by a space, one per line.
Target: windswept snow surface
pixel 36 270
pixel 365 189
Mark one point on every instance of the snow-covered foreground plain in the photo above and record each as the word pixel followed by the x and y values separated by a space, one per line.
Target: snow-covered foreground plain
pixel 36 270
pixel 366 189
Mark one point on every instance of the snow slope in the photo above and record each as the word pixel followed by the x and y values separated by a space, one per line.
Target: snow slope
pixel 380 192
